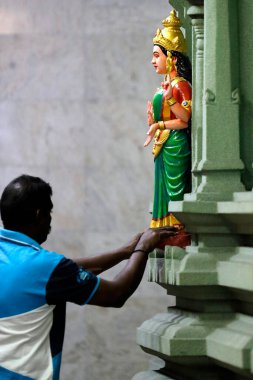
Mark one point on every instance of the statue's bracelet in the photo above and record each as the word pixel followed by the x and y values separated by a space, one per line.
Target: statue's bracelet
pixel 161 125
pixel 171 101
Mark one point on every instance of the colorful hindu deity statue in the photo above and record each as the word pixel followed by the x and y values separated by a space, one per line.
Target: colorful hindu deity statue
pixel 169 116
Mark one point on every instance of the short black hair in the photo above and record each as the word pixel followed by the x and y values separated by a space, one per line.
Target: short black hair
pixel 22 198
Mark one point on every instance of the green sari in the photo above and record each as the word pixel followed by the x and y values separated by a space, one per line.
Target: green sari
pixel 172 167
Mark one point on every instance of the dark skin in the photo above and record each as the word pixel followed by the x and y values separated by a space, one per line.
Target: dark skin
pixel 113 293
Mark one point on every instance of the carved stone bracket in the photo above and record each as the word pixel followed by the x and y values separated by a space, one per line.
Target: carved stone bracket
pixel 235 96
pixel 209 96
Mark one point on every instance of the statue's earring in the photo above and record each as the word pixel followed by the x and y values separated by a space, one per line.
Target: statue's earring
pixel 169 63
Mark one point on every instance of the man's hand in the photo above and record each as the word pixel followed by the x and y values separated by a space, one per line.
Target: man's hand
pixel 153 237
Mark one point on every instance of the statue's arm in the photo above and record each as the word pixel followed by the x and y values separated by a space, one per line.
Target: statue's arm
pixel 182 93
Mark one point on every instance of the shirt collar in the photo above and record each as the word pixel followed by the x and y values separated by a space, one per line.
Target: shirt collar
pixel 18 238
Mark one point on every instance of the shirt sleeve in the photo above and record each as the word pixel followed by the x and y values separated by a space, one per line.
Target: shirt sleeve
pixel 71 283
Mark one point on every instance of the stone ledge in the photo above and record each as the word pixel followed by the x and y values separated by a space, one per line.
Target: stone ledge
pixel 233 215
pixel 226 338
pixel 220 266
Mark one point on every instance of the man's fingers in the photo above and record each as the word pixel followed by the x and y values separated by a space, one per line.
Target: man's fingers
pixel 165 228
pixel 167 234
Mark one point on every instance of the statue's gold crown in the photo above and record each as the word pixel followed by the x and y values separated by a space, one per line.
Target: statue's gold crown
pixel 171 37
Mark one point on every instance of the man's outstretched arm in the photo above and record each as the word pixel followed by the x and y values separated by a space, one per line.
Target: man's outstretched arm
pixel 115 293
pixel 100 263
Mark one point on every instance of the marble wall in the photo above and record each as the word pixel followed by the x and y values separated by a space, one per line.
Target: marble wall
pixel 75 78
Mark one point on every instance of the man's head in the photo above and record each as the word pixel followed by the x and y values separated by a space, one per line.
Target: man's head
pixel 26 205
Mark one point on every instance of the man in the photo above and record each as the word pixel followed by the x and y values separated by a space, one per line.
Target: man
pixel 36 284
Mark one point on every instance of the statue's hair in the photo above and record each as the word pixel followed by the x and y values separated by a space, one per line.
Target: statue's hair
pixel 183 63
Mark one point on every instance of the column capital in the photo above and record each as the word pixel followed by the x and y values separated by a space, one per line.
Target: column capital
pixel 196 12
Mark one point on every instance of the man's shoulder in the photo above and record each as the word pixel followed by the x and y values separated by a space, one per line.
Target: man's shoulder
pixel 47 260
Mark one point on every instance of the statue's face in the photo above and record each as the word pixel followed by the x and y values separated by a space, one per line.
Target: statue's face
pixel 159 60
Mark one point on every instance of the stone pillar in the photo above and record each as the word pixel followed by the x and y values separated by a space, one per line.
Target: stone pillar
pixel 209 333
pixel 196 14
pixel 221 102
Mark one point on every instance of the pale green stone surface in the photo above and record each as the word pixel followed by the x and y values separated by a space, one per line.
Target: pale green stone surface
pixel 225 266
pixel 210 331
pixel 225 337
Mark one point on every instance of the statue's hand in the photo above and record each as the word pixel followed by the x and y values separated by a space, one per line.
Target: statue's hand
pixel 167 93
pixel 151 133
pixel 150 113
pixel 148 141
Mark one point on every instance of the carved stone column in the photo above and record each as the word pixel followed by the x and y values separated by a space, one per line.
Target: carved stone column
pixel 220 177
pixel 208 335
pixel 196 14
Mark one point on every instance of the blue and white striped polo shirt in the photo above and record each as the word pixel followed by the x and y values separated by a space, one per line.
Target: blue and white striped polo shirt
pixel 35 285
